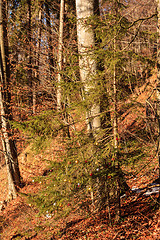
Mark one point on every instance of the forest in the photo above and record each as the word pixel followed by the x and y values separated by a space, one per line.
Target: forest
pixel 79 119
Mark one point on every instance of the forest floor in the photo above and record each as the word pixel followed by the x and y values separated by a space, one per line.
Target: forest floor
pixel 140 215
pixel 19 219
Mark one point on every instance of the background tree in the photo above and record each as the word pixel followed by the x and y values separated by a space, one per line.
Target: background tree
pixel 158 78
pixel 37 54
pixel 60 55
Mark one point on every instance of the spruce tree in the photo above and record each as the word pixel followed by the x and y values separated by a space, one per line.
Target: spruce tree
pixel 95 80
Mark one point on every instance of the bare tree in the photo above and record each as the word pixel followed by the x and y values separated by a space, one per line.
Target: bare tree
pixel 8 143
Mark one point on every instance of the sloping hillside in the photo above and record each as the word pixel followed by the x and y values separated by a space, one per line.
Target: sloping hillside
pixel 19 219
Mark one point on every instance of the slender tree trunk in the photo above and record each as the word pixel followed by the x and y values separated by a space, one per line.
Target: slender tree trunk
pixel 115 135
pixel 86 40
pixel 158 81
pixel 115 126
pixel 60 47
pixel 8 143
pixel 49 39
pixel 115 129
pixel 29 43
pixel 37 59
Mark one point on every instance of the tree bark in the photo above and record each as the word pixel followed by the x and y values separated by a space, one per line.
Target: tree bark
pixel 30 46
pixel 86 9
pixel 49 39
pixel 115 135
pixel 60 47
pixel 9 147
pixel 158 81
pixel 88 67
pixel 37 58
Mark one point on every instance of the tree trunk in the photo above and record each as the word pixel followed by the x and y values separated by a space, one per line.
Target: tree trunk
pixel 115 135
pixel 8 143
pixel 158 81
pixel 49 39
pixel 37 58
pixel 30 47
pixel 60 46
pixel 86 41
pixel 88 70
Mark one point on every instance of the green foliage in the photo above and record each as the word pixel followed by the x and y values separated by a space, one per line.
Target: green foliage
pixel 74 182
pixel 41 128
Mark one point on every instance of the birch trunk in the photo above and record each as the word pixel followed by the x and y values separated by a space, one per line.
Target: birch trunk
pixel 88 70
pixel 8 144
pixel 86 40
pixel 60 46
